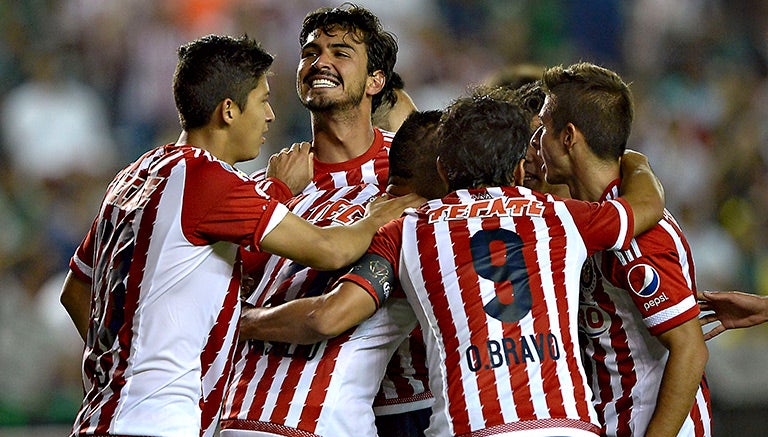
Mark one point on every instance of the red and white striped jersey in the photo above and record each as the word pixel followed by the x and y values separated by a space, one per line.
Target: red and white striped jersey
pixel 405 386
pixel 283 279
pixel 493 277
pixel 629 297
pixel 372 167
pixel 326 389
pixel 164 304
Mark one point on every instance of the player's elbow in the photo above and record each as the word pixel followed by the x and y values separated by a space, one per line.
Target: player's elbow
pixel 648 213
pixel 324 326
pixel 327 319
pixel 700 355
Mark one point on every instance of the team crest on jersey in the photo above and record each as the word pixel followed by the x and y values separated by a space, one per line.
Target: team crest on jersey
pixel 644 280
pixel 588 279
pixel 593 321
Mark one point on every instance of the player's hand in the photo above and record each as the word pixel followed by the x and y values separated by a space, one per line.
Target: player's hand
pixel 293 166
pixel 731 309
pixel 383 209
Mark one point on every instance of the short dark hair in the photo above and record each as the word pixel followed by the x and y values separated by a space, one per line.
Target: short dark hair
pixel 482 139
pixel 413 153
pixel 532 96
pixel 381 46
pixel 214 68
pixel 516 75
pixel 596 100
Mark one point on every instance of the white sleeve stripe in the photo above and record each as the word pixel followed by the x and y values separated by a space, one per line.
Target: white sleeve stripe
pixel 86 269
pixel 277 216
pixel 624 221
pixel 682 253
pixel 670 313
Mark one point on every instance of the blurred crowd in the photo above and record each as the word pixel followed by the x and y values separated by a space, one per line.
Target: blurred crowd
pixel 85 87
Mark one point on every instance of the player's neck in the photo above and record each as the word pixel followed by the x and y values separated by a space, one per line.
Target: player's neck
pixel 591 179
pixel 208 139
pixel 341 137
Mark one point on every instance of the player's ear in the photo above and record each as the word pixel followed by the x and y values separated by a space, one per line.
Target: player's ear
pixel 227 111
pixel 375 82
pixel 566 135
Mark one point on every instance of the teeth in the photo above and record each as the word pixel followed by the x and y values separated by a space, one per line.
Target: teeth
pixel 322 83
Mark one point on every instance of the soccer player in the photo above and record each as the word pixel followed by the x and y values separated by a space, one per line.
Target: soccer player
pixel 645 353
pixel 152 288
pixel 532 98
pixel 731 309
pixel 343 75
pixel 492 273
pixel 403 404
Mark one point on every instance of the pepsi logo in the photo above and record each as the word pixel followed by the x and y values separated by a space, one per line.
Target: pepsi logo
pixel 643 280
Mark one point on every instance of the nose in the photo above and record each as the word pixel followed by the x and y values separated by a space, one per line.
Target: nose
pixel 270 114
pixel 321 61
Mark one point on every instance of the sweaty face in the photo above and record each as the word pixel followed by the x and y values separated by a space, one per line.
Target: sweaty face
pixel 251 123
pixel 332 72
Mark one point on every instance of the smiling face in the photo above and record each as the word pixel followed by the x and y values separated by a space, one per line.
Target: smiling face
pixel 250 124
pixel 332 72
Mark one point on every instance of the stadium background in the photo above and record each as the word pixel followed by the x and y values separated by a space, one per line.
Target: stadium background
pixel 85 87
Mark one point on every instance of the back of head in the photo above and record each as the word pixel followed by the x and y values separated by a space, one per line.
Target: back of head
pixel 596 100
pixel 413 154
pixel 381 45
pixel 214 68
pixel 532 97
pixel 515 76
pixel 482 139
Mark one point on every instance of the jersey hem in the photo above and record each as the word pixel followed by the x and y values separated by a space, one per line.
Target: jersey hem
pixel 539 428
pixel 265 427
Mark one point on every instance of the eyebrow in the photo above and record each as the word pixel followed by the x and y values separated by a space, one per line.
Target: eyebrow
pixel 337 45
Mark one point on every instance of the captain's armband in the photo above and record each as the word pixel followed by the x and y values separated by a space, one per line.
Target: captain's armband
pixel 375 274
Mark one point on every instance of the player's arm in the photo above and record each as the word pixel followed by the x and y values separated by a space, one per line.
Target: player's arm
pixel 642 189
pixel 311 319
pixel 732 309
pixel 333 247
pixel 682 375
pixel 76 298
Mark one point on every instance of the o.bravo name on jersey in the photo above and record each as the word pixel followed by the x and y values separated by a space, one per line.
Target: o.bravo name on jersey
pixel 498 207
pixel 508 351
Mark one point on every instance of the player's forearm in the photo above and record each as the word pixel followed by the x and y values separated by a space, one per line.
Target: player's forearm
pixel 679 385
pixel 286 323
pixel 76 299
pixel 328 248
pixel 346 243
pixel 643 190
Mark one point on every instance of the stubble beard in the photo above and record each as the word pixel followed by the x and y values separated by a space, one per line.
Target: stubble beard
pixel 327 104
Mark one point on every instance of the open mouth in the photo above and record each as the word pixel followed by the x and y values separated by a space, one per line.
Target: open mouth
pixel 322 81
